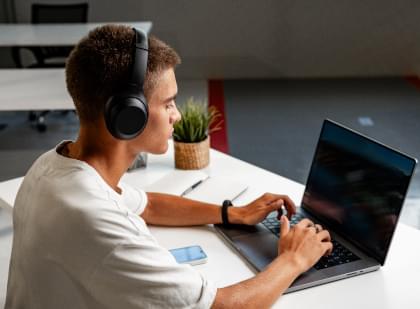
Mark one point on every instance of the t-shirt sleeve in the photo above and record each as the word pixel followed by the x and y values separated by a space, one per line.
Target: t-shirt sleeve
pixel 145 275
pixel 135 198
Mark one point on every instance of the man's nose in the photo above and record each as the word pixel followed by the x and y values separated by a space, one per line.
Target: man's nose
pixel 177 115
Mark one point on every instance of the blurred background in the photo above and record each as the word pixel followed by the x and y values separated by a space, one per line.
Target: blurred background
pixel 276 69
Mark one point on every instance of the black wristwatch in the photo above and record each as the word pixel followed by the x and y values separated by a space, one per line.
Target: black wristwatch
pixel 225 205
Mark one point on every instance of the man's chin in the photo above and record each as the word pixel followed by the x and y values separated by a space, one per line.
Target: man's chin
pixel 161 150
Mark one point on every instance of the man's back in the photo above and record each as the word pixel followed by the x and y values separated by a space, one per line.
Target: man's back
pixel 54 250
pixel 79 244
pixel 52 237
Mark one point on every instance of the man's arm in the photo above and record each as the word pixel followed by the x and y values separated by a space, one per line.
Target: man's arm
pixel 262 290
pixel 172 210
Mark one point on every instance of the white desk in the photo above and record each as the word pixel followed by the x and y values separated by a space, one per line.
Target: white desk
pixel 33 89
pixel 393 286
pixel 53 34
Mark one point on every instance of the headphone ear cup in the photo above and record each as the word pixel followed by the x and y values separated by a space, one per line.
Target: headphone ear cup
pixel 126 116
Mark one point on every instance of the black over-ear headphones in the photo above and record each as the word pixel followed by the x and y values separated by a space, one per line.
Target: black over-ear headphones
pixel 126 112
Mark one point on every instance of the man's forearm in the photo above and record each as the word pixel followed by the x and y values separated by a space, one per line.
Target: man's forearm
pixel 171 210
pixel 262 290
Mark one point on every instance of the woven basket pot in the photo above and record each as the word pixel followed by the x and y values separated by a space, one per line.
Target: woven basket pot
pixel 192 156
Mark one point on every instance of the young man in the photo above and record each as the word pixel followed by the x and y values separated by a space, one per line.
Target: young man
pixel 80 236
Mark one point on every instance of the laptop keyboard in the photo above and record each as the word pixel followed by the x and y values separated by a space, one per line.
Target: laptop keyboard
pixel 340 255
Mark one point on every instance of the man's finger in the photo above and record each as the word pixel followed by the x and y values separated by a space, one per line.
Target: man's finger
pixel 318 228
pixel 324 235
pixel 328 248
pixel 290 206
pixel 285 226
pixel 266 196
pixel 305 223
pixel 275 205
pixel 271 198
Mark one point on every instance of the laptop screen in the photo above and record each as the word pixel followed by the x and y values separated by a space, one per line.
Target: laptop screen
pixel 357 186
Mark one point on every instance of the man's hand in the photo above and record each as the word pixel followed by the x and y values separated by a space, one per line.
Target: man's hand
pixel 304 244
pixel 300 247
pixel 258 210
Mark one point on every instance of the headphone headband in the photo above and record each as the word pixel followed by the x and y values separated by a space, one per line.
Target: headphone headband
pixel 140 55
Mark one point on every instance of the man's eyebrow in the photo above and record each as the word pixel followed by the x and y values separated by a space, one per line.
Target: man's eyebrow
pixel 170 99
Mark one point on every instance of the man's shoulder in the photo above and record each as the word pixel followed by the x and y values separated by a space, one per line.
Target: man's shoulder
pixel 50 182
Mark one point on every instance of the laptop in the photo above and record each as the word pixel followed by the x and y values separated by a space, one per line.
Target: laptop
pixel 356 189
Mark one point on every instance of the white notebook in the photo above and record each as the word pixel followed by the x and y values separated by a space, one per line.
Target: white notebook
pixel 199 186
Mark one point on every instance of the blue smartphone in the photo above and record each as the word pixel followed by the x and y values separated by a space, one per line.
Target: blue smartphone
pixel 192 255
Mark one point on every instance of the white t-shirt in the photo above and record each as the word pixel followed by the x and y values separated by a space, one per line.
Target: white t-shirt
pixel 79 244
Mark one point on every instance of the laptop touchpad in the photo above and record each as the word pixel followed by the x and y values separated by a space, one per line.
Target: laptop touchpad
pixel 260 248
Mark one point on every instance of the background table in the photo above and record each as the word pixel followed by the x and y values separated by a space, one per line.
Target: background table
pixel 53 34
pixel 42 89
pixel 33 89
pixel 393 286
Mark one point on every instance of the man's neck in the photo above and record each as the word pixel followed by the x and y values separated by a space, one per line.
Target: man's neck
pixel 109 157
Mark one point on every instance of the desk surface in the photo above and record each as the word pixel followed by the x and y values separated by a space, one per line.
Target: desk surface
pixel 52 34
pixel 33 89
pixel 393 286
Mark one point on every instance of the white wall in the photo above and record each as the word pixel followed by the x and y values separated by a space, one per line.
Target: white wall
pixel 276 38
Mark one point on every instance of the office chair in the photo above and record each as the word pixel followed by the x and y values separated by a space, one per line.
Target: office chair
pixel 50 56
pixel 49 14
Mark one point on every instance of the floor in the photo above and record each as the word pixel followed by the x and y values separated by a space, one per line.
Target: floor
pixel 270 123
pixel 275 124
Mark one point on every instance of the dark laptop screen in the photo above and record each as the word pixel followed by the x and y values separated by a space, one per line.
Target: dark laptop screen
pixel 358 186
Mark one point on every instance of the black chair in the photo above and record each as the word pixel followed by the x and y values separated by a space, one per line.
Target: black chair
pixel 50 14
pixel 50 56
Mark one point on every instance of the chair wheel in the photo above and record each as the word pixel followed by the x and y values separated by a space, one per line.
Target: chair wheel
pixel 41 127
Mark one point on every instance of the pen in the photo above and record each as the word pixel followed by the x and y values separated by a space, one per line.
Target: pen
pixel 188 190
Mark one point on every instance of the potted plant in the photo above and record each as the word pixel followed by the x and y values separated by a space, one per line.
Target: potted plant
pixel 192 134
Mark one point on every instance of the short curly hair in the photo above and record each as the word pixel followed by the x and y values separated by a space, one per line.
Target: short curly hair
pixel 100 64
